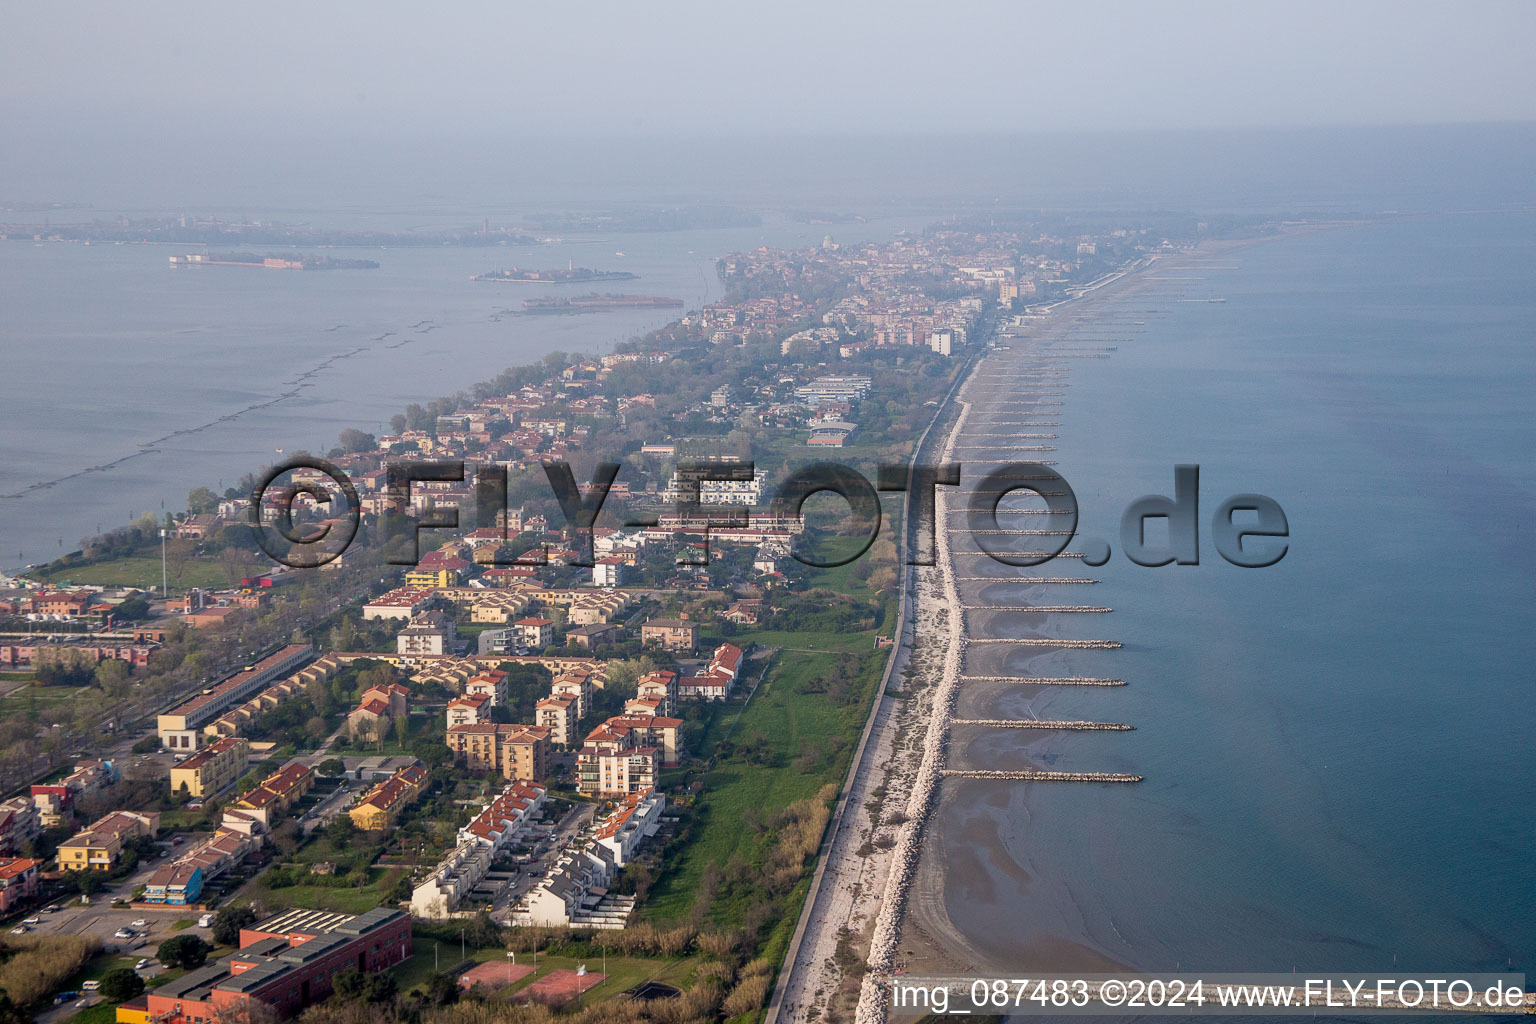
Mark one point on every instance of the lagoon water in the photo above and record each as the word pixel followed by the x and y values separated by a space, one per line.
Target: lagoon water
pixel 1337 749
pixel 182 378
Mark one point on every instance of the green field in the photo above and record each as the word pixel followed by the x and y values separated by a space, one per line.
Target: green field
pixel 791 723
pixel 343 899
pixel 133 571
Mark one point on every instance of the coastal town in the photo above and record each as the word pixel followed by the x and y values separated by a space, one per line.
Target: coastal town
pixel 484 753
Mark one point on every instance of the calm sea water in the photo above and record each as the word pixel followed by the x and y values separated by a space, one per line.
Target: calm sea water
pixel 182 378
pixel 1337 749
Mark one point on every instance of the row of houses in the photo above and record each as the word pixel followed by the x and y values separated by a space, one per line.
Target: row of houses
pixel 381 806
pixel 180 727
pixel 489 834
pixel 181 882
pixel 575 891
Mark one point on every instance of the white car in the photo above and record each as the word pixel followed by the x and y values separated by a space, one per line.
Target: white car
pixel 141 964
pixel 20 929
pixel 122 933
pixel 33 920
pixel 140 923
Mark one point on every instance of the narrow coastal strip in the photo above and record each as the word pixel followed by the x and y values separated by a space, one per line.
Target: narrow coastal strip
pixel 1024 579
pixel 1019 511
pixel 1014 533
pixel 1038 556
pixel 1040 641
pixel 1045 680
pixel 1053 608
pixel 1037 775
pixel 1043 723
pixel 924 797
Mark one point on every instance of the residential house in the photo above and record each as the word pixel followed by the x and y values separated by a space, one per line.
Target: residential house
pixel 662 686
pixel 558 715
pixel 470 709
pixel 98 846
pixel 679 635
pixel 430 634
pixel 18 882
pixel 596 635
pixel 613 763
pixel 491 683
pixel 213 769
pixel 378 707
pixel 535 633
pixel 609 571
pixel 381 806
pixel 516 751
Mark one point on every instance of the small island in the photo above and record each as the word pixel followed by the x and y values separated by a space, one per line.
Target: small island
pixel 570 275
pixel 598 303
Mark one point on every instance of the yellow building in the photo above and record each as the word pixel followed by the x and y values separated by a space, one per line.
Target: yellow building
pixel 98 847
pixel 212 769
pixel 379 808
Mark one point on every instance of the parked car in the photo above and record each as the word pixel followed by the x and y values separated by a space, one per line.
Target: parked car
pixel 140 923
pixel 142 964
pixel 90 986
pixel 33 920
pixel 20 929
pixel 123 933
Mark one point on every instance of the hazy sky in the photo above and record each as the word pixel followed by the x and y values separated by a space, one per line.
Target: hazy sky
pixel 598 68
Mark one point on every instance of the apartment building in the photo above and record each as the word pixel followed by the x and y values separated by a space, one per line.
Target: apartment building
pixel 98 846
pixel 179 727
pixel 558 715
pixel 381 805
pixel 613 763
pixel 213 769
pixel 516 751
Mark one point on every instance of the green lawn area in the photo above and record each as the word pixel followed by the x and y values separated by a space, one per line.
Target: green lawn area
pixel 134 571
pixel 347 899
pixel 791 723
pixel 623 972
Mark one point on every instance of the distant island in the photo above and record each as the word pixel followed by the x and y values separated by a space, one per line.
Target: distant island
pixel 288 261
pixel 569 275
pixel 598 303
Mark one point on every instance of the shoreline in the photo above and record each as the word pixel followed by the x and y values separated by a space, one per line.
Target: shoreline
pixel 914 907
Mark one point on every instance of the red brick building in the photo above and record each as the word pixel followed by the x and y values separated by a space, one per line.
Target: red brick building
pixel 285 963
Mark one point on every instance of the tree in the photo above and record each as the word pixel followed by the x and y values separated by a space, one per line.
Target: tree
pixel 121 984
pixel 202 500
pixel 340 831
pixel 133 609
pixel 112 677
pixel 228 922
pixel 178 551
pixel 187 951
pixel 355 441
pixel 237 562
